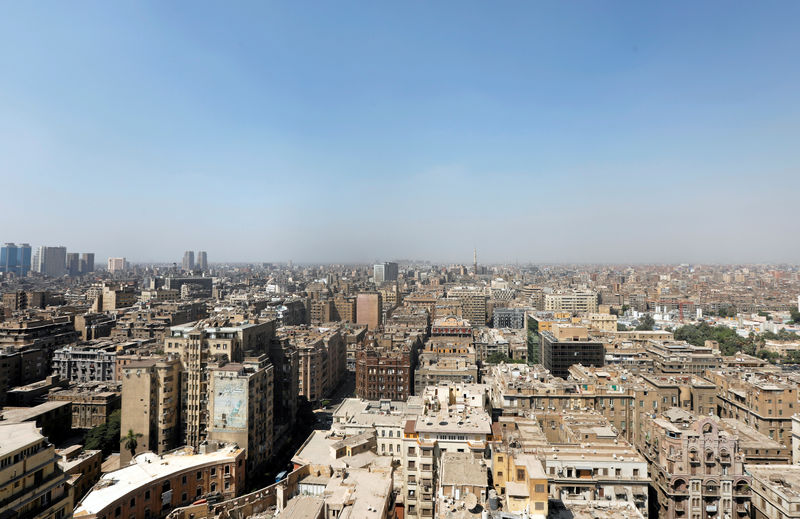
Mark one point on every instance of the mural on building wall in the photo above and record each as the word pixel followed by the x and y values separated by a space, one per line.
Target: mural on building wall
pixel 230 403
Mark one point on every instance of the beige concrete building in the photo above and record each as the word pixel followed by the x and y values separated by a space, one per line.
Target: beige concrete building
pixel 32 485
pixel 776 491
pixel 576 301
pixel 240 403
pixel 696 466
pixel 151 399
pixel 369 310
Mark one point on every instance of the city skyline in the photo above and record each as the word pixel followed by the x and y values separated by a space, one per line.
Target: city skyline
pixel 537 132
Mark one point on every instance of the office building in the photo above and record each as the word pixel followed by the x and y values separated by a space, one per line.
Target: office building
pixel 15 259
pixel 202 260
pixel 384 272
pixel 566 345
pixel 51 261
pixel 32 485
pixel 87 262
pixel 73 264
pixel 188 261
pixel 508 318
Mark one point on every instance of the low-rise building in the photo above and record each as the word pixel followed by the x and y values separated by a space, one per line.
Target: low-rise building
pixel 155 484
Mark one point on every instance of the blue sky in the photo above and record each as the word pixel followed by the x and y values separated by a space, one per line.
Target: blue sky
pixel 356 131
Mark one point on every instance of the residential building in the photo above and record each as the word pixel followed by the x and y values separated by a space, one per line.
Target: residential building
pixel 151 404
pixel 32 485
pixel 369 310
pixel 434 369
pixel 92 404
pixel 574 301
pixel 508 318
pixel 240 404
pixel 87 262
pixel 775 491
pixel 86 363
pixel 153 485
pixel 696 466
pixel 473 301
pixel 384 373
pixel 82 467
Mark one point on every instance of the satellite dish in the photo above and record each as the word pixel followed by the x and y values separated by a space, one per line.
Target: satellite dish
pixel 471 501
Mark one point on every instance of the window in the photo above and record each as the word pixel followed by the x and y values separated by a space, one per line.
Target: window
pixel 199 475
pixel 133 502
pixel 539 505
pixel 539 488
pixel 147 495
pixel 520 474
pixel 213 471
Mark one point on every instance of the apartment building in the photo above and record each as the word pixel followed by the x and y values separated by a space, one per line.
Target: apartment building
pixel 240 407
pixel 384 373
pixel 775 491
pixel 92 404
pixel 434 369
pixel 508 318
pixel 763 402
pixel 696 466
pixel 153 485
pixel 575 301
pixel 369 309
pixel 386 418
pixel 32 485
pixel 151 404
pixel 86 363
pixel 455 420
pixel 473 301
pixel 203 342
pixel 322 358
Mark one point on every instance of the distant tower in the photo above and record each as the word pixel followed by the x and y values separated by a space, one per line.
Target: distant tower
pixel 202 260
pixel 475 260
pixel 188 261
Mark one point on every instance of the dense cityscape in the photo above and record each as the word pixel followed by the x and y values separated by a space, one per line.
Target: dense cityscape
pixel 396 390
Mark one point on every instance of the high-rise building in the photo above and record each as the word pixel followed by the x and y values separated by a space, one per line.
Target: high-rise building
pixel 240 407
pixel 117 265
pixel 202 260
pixel 383 272
pixel 151 399
pixel 73 263
pixel 87 262
pixel 188 261
pixel 51 261
pixel 15 259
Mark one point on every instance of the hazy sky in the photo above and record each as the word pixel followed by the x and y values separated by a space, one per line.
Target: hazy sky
pixel 341 131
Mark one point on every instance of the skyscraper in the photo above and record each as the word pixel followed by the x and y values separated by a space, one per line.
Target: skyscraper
pixel 188 261
pixel 15 259
pixel 87 262
pixel 73 263
pixel 202 260
pixel 384 272
pixel 52 261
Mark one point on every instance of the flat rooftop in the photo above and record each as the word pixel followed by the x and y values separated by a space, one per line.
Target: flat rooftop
pixel 783 479
pixel 15 436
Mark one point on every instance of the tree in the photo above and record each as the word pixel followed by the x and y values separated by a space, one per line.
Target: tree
pixel 795 316
pixel 131 442
pixel 646 323
pixel 105 436
pixel 621 327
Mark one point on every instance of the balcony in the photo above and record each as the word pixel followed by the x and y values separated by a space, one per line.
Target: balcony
pixel 679 487
pixel 711 490
pixel 742 508
pixel 741 489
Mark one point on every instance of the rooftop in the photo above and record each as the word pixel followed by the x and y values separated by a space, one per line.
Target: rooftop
pixel 146 468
